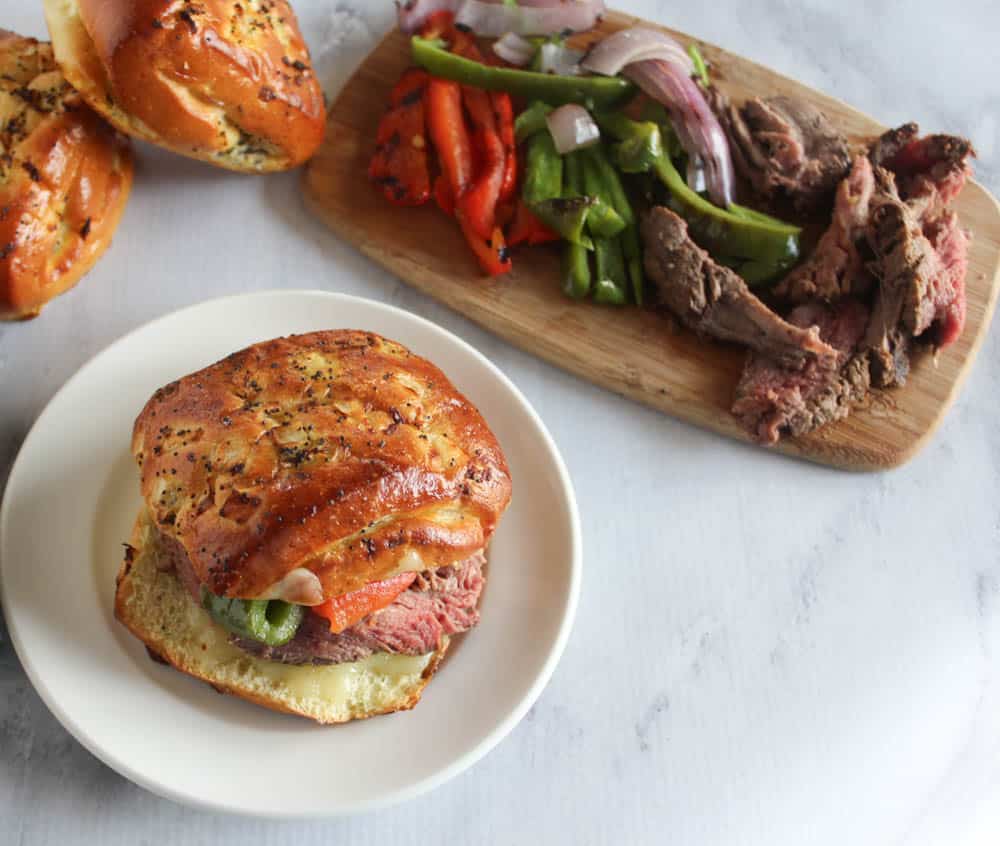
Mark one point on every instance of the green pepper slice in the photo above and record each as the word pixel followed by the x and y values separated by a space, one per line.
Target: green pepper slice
pixel 543 170
pixel 568 217
pixel 531 121
pixel 592 91
pixel 272 622
pixel 760 247
pixel 576 258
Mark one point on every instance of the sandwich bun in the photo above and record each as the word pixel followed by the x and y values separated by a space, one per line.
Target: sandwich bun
pixel 225 81
pixel 64 180
pixel 305 467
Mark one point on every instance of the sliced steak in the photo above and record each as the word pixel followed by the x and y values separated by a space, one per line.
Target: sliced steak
pixel 930 171
pixel 927 174
pixel 713 300
pixel 440 603
pixel 786 149
pixel 921 266
pixel 773 400
pixel 951 246
pixel 836 267
pixel 890 143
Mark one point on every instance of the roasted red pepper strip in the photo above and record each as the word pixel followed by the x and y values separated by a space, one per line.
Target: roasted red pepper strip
pixel 504 110
pixel 492 252
pixel 400 164
pixel 350 608
pixel 479 203
pixel 475 174
pixel 464 44
pixel 443 196
pixel 449 134
pixel 528 229
pixel 439 25
pixel 505 214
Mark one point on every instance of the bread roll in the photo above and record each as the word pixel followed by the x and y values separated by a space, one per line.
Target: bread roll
pixel 305 467
pixel 226 81
pixel 64 179
pixel 156 608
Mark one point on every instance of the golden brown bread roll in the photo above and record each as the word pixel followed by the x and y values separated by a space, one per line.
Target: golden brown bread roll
pixel 306 467
pixel 64 179
pixel 225 81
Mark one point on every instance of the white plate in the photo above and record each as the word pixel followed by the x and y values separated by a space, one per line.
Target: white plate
pixel 69 506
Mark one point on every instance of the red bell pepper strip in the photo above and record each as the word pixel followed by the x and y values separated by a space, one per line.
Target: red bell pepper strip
pixel 464 44
pixel 505 214
pixel 449 133
pixel 504 110
pixel 443 196
pixel 492 252
pixel 350 608
pixel 400 164
pixel 528 229
pixel 440 25
pixel 479 203
pixel 478 174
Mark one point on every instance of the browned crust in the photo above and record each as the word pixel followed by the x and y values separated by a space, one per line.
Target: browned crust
pixel 64 180
pixel 174 73
pixel 339 452
pixel 161 651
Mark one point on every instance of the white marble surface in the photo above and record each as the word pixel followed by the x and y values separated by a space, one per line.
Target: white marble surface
pixel 766 652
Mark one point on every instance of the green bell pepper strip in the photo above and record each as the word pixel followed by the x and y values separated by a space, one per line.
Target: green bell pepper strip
pixel 605 179
pixel 531 121
pixel 761 247
pixel 544 193
pixel 604 220
pixel 640 144
pixel 543 170
pixel 700 68
pixel 609 261
pixel 591 91
pixel 568 217
pixel 272 622
pixel 611 283
pixel 597 156
pixel 607 292
pixel 576 260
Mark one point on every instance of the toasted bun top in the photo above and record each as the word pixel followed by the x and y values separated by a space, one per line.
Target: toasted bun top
pixel 64 179
pixel 227 81
pixel 305 467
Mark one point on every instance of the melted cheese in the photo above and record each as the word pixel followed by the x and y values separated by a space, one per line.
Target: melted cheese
pixel 334 683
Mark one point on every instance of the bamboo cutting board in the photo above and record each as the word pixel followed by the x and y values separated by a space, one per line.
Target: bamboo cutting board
pixel 632 351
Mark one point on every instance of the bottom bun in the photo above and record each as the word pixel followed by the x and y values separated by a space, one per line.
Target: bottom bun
pixel 155 607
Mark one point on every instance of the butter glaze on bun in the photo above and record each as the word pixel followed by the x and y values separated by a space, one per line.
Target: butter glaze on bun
pixel 225 81
pixel 64 179
pixel 306 467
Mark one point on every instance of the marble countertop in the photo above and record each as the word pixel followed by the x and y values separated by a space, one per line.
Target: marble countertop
pixel 766 652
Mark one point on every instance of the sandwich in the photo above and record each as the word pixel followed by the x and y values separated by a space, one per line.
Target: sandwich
pixel 316 516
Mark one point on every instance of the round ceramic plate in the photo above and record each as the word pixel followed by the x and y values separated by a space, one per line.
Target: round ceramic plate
pixel 70 503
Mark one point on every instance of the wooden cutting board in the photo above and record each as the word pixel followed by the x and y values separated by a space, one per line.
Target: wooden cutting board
pixel 632 352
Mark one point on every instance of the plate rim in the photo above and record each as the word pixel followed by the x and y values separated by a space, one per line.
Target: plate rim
pixel 461 763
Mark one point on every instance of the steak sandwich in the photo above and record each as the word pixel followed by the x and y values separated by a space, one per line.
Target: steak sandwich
pixel 317 510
